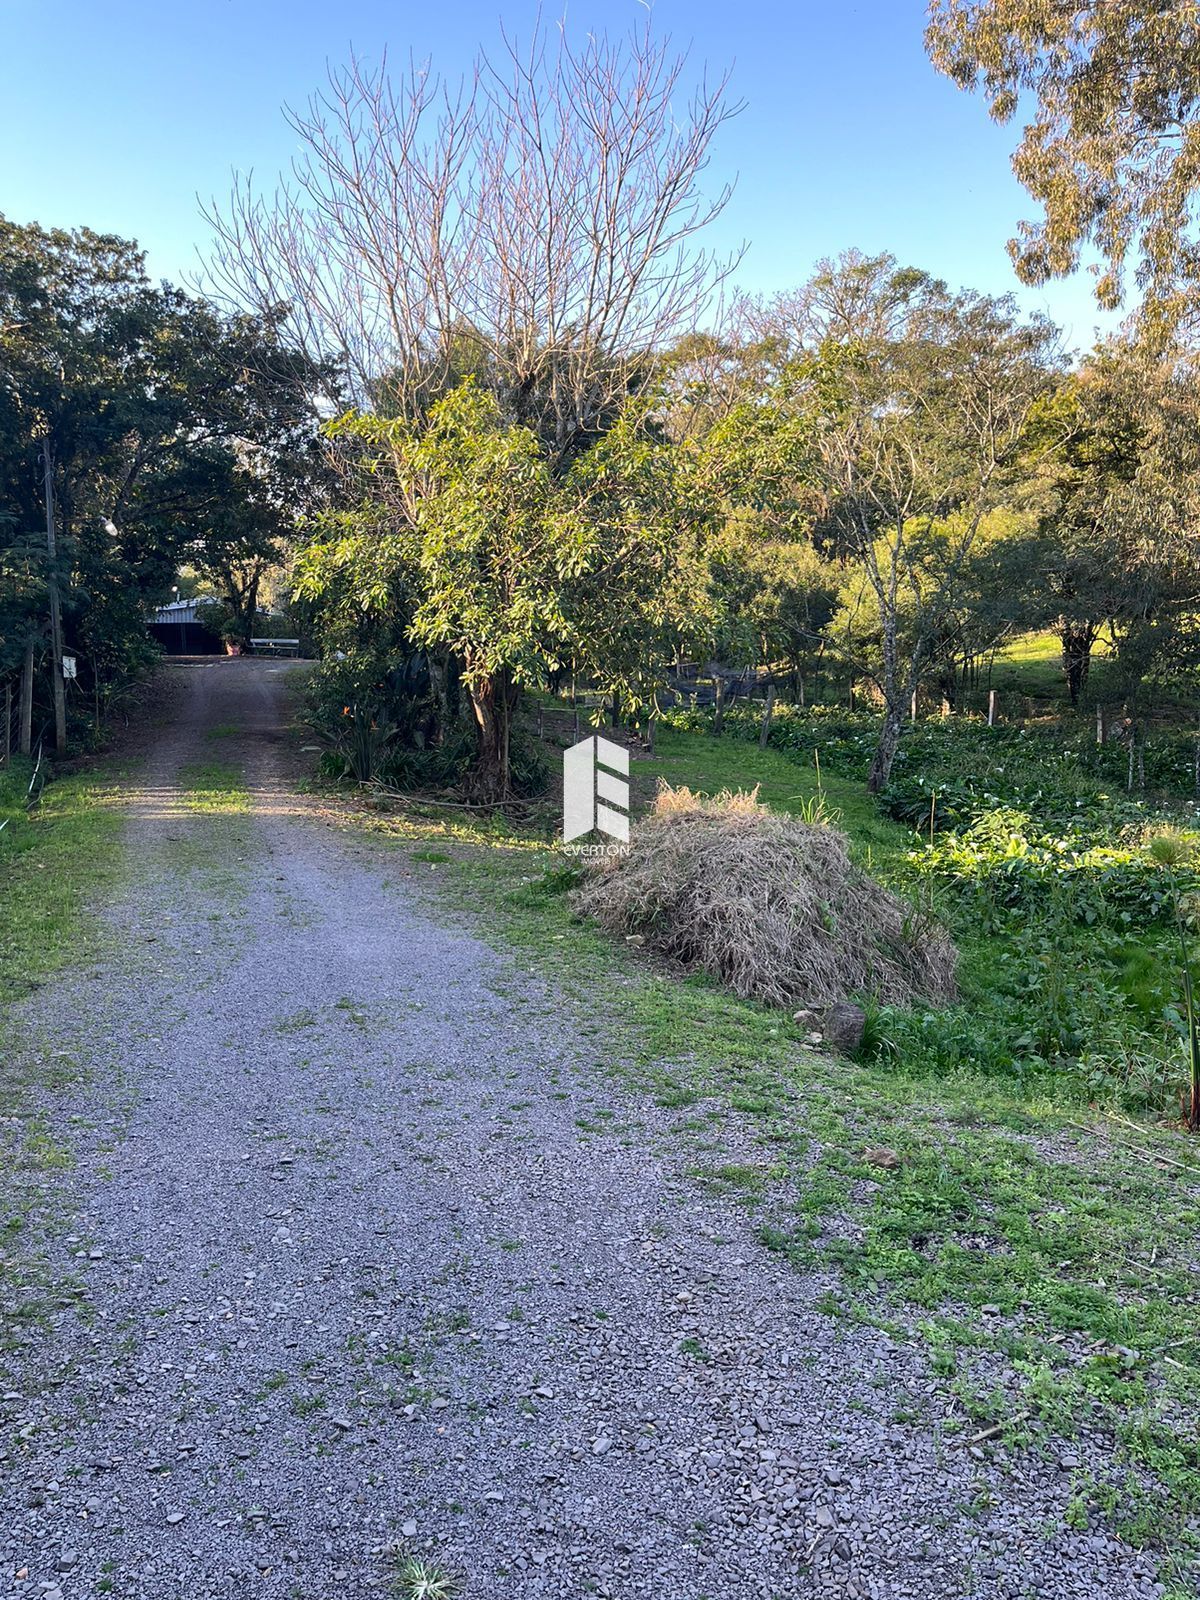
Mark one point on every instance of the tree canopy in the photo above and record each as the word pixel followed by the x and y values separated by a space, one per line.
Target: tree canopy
pixel 1112 150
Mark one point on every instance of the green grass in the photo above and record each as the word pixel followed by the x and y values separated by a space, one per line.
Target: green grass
pixel 698 761
pixel 214 788
pixel 52 861
pixel 1031 666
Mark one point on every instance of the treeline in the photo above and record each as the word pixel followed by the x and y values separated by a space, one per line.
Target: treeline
pixel 542 478
pixel 530 472
pixel 141 429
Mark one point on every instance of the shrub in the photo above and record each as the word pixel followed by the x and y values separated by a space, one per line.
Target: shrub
pixel 1005 864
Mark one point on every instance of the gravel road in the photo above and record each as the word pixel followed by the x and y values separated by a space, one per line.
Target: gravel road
pixel 356 1276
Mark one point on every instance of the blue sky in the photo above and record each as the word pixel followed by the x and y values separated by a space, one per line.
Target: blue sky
pixel 116 113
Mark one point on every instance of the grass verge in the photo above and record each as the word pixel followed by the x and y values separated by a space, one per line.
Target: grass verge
pixel 52 860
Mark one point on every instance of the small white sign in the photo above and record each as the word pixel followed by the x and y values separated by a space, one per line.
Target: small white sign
pixel 69 667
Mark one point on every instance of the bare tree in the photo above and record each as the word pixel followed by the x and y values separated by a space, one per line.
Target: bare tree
pixel 534 227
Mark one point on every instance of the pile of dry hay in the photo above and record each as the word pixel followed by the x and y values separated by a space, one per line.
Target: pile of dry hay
pixel 768 905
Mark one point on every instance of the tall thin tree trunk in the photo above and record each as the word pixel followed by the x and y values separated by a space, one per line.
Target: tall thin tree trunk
pixel 1136 769
pixel 885 750
pixel 25 743
pixel 1077 641
pixel 894 697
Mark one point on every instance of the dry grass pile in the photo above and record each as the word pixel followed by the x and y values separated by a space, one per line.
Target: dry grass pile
pixel 768 905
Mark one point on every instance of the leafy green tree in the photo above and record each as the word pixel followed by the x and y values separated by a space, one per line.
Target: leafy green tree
pixel 773 599
pixel 978 609
pixel 1085 448
pixel 1114 481
pixel 1112 150
pixel 918 402
pixel 176 432
pixel 469 527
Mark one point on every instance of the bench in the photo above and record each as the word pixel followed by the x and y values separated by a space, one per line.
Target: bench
pixel 275 647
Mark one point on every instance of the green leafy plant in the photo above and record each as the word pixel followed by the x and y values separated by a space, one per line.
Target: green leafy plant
pixel 1171 850
pixel 360 742
pixel 417 1578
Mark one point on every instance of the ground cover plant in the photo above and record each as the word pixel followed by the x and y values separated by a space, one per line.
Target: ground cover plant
pixel 1049 877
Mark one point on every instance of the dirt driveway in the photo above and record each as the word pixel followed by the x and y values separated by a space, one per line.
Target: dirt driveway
pixel 357 1271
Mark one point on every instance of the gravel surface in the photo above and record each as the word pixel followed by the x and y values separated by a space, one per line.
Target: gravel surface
pixel 355 1278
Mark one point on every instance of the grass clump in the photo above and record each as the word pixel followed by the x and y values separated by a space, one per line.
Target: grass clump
pixel 770 906
pixel 417 1578
pixel 215 788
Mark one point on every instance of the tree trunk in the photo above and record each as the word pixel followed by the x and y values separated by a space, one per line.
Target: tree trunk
pixel 764 733
pixel 492 702
pixel 25 742
pixel 1136 774
pixel 894 696
pixel 1077 641
pixel 247 611
pixel 885 750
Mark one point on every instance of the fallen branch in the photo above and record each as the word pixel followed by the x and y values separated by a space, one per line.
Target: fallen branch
pixel 996 1429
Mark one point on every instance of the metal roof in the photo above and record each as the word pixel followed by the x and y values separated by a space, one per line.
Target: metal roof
pixel 182 610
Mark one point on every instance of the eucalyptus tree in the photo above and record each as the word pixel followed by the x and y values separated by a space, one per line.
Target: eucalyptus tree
pixel 1112 148
pixel 918 401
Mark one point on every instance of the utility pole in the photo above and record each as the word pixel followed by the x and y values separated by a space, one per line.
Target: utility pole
pixel 56 638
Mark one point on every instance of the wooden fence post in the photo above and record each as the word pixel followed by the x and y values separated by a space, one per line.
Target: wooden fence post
pixel 764 733
pixel 719 709
pixel 991 708
pixel 1101 725
pixel 7 724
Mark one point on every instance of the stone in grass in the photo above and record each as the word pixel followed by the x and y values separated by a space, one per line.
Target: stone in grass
pixel 843 1026
pixel 881 1156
